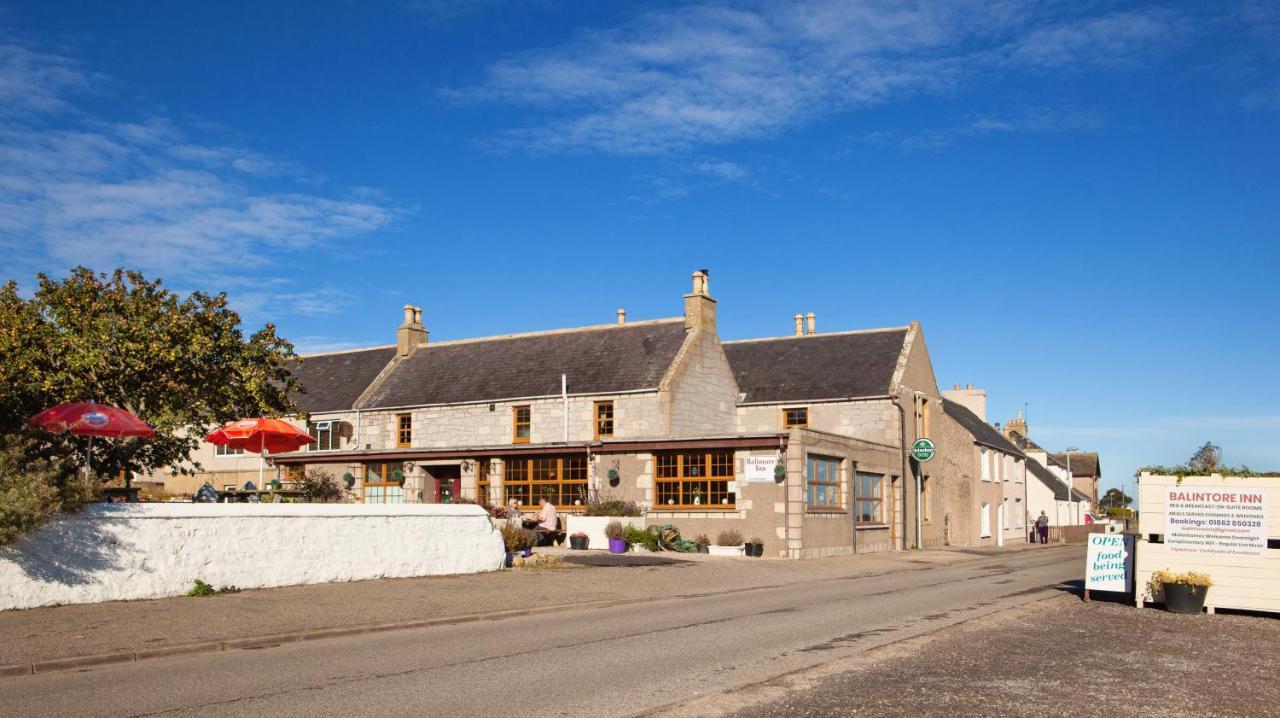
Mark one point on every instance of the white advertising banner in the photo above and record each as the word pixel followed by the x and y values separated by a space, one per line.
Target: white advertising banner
pixel 1215 520
pixel 1109 563
pixel 759 469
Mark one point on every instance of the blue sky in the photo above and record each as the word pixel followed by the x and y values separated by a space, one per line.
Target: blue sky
pixel 1077 199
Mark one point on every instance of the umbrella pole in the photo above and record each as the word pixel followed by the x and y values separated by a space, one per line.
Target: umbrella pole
pixel 262 446
pixel 88 458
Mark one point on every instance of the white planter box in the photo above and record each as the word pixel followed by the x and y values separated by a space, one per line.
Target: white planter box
pixel 593 527
pixel 726 550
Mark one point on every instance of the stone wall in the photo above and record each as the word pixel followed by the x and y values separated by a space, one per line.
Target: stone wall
pixel 700 395
pixel 875 420
pixel 114 552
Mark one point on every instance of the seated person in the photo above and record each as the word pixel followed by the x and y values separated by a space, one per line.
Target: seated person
pixel 513 514
pixel 548 523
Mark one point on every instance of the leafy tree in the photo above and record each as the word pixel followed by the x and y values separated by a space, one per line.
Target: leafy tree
pixel 181 364
pixel 1207 458
pixel 1115 499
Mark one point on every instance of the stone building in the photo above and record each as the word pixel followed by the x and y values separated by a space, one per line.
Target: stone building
pixel 989 477
pixel 1048 487
pixel 660 412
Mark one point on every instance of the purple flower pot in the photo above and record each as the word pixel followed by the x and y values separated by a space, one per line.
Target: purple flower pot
pixel 617 546
pixel 528 551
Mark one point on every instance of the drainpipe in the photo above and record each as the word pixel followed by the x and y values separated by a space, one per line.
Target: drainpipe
pixel 564 396
pixel 786 497
pixel 902 444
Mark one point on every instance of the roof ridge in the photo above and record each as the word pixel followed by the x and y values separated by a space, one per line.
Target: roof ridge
pixel 346 351
pixel 816 336
pixel 552 332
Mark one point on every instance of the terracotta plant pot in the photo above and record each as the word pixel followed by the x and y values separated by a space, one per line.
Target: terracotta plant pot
pixel 617 546
pixel 1184 598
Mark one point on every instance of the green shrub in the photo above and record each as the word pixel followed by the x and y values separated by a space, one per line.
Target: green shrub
pixel 32 490
pixel 320 486
pixel 634 535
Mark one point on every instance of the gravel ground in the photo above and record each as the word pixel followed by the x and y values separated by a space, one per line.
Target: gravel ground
pixel 1055 657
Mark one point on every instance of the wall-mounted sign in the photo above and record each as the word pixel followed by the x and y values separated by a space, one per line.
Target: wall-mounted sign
pixel 1216 520
pixel 1109 563
pixel 759 469
pixel 923 450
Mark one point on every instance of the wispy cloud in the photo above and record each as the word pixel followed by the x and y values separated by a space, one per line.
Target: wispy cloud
pixel 76 188
pixel 1026 120
pixel 696 76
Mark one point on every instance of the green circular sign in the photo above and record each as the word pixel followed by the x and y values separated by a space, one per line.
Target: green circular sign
pixel 923 450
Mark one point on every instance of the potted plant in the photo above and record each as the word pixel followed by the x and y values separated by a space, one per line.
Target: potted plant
pixel 578 541
pixel 641 541
pixel 728 543
pixel 615 533
pixel 516 540
pixel 755 547
pixel 1183 592
pixel 702 542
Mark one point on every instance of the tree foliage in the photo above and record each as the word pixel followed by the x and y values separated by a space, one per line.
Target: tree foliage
pixel 1207 457
pixel 1115 499
pixel 181 364
pixel 1206 460
pixel 31 490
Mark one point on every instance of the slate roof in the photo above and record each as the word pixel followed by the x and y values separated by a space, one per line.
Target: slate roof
pixel 817 366
pixel 982 432
pixel 1023 442
pixel 1084 465
pixel 1046 477
pixel 610 358
pixel 333 382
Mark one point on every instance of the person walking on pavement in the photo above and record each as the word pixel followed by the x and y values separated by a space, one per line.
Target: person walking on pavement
pixel 1042 527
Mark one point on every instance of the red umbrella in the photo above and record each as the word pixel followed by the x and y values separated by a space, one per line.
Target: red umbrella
pixel 260 436
pixel 91 419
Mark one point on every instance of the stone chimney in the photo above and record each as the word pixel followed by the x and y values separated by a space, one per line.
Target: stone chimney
pixel 813 323
pixel 974 400
pixel 1017 424
pixel 699 307
pixel 622 315
pixel 799 325
pixel 411 334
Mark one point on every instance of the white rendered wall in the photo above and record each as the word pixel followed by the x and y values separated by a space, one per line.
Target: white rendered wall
pixel 111 552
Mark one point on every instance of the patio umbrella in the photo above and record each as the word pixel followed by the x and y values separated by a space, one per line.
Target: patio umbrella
pixel 260 436
pixel 87 418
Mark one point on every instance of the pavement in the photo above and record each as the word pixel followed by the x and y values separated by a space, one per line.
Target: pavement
pixel 672 634
pixel 49 638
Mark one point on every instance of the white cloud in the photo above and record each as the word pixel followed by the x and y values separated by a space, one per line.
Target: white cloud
pixel 150 194
pixel 696 76
pixel 1025 120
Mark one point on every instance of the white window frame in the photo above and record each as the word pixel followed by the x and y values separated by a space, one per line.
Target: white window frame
pixel 331 427
pixel 986 465
pixel 984 518
pixel 222 451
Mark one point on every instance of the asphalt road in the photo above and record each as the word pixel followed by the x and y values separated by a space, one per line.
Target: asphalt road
pixel 608 661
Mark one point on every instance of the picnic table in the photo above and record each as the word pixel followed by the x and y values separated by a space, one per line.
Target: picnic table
pixel 266 496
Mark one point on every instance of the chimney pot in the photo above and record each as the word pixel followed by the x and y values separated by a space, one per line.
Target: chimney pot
pixel 622 315
pixel 701 283
pixel 408 314
pixel 799 325
pixel 813 323
pixel 411 334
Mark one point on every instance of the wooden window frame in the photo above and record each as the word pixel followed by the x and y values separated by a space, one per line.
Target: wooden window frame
pixel 404 431
pixel 786 418
pixel 833 484
pixel 295 472
pixel 385 471
pixel 859 498
pixel 695 475
pixel 332 431
pixel 598 422
pixel 564 490
pixel 516 423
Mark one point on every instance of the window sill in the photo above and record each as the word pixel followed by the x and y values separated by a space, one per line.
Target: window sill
pixel 826 512
pixel 868 527
pixel 668 509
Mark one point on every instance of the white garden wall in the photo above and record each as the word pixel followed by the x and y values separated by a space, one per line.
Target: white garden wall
pixel 112 552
